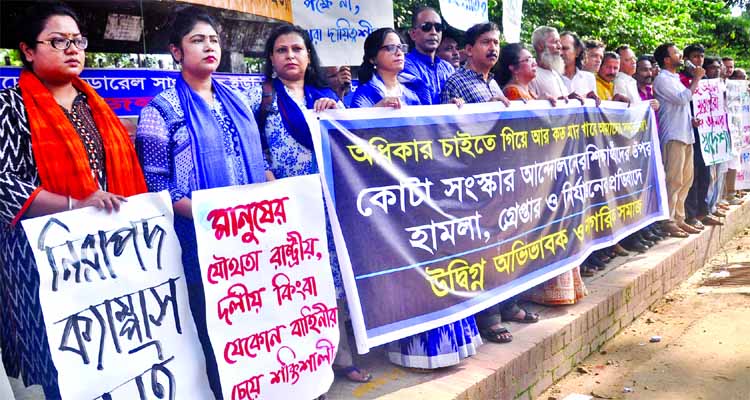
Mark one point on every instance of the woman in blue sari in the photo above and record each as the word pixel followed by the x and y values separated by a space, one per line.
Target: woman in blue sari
pixel 294 82
pixel 380 81
pixel 198 135
pixel 379 86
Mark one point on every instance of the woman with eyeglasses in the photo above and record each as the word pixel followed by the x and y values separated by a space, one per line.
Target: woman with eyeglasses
pixel 380 87
pixel 294 82
pixel 200 134
pixel 63 148
pixel 379 83
pixel 517 68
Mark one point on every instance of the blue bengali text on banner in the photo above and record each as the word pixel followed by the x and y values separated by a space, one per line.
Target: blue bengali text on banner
pixel 440 213
pixel 127 91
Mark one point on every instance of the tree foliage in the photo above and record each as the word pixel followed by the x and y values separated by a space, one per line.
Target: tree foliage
pixel 642 24
pixel 645 24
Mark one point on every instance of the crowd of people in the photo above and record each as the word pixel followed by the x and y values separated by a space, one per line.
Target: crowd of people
pixel 65 149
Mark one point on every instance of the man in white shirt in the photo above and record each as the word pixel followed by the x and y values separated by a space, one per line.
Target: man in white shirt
pixel 548 83
pixel 594 55
pixel 676 134
pixel 624 82
pixel 575 78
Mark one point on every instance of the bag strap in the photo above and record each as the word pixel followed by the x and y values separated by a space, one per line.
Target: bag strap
pixel 266 103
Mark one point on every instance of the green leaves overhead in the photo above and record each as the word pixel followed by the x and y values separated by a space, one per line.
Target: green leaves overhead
pixel 643 24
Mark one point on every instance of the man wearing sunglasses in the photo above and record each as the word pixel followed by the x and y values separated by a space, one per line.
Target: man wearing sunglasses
pixel 422 63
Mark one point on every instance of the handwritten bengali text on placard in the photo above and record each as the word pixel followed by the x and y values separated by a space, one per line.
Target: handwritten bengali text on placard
pixel 270 302
pixel 738 110
pixel 338 28
pixel 709 108
pixel 463 14
pixel 115 305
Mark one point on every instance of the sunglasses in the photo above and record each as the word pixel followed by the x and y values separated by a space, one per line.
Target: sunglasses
pixel 427 27
pixel 391 48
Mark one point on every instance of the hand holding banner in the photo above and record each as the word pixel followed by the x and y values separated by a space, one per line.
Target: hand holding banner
pixel 270 300
pixel 444 213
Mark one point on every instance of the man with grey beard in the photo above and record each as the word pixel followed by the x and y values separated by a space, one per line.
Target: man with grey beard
pixel 548 83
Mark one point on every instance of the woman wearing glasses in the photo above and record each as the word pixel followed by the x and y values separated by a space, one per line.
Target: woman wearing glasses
pixel 63 148
pixel 294 82
pixel 380 87
pixel 379 83
pixel 516 69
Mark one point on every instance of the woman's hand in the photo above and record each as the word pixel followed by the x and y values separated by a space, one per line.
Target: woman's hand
pixel 102 200
pixel 502 98
pixel 324 103
pixel 393 102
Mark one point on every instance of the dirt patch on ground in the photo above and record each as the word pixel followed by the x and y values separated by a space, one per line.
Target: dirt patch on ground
pixel 692 344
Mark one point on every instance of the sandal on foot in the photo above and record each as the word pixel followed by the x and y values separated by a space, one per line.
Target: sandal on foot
pixel 587 272
pixel 348 373
pixel 528 317
pixel 496 335
pixel 674 231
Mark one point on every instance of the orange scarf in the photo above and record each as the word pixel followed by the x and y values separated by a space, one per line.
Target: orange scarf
pixel 61 158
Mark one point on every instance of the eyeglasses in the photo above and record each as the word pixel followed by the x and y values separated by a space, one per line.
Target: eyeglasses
pixel 427 27
pixel 530 60
pixel 391 48
pixel 64 43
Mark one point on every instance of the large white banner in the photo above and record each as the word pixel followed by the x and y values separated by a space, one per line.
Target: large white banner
pixel 512 15
pixel 463 14
pixel 338 28
pixel 738 106
pixel 710 110
pixel 114 298
pixel 270 301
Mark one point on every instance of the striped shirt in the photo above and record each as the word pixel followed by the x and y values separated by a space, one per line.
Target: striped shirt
pixel 470 86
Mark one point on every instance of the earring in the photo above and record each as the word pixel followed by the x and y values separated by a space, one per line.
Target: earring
pixel 274 75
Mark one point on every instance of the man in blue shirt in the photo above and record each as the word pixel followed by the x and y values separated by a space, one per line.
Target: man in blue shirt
pixel 422 65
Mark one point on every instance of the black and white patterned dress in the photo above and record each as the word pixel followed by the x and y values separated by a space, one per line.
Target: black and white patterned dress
pixel 23 338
